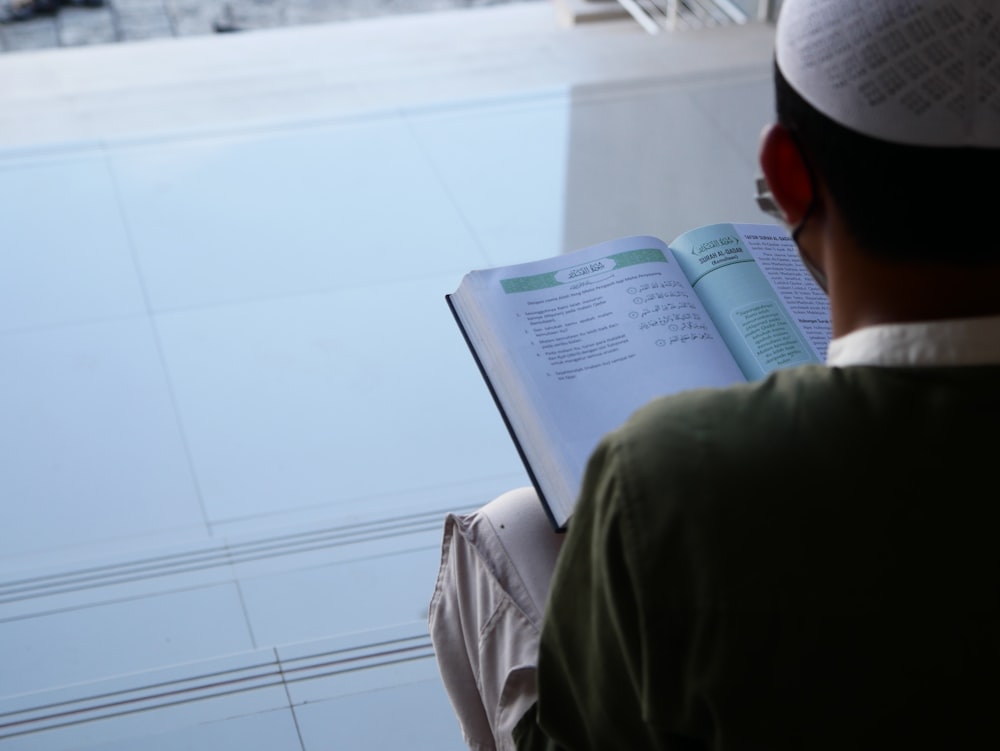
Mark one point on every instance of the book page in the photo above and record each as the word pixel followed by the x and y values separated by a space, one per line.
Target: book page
pixel 574 344
pixel 778 258
pixel 762 332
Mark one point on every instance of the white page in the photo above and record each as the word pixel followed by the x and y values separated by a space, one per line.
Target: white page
pixel 595 335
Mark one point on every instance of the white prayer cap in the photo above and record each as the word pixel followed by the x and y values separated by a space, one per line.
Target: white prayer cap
pixel 919 72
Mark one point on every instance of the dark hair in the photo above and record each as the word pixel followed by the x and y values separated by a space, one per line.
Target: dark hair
pixel 900 202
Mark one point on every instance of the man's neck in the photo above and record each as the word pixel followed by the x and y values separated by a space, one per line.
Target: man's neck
pixel 865 291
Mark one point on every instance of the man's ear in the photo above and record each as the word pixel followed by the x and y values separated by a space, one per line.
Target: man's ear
pixel 786 173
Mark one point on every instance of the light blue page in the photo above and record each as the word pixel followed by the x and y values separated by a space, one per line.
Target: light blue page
pixel 779 260
pixel 751 317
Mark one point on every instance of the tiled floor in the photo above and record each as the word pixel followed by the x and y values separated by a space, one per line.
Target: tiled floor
pixel 233 405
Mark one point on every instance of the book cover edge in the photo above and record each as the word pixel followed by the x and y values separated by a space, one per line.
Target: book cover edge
pixel 503 414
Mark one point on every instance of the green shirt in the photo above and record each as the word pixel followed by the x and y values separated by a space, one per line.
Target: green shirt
pixel 807 562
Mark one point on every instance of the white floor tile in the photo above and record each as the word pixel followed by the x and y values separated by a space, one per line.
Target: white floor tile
pixel 66 256
pixel 739 105
pixel 215 703
pixel 358 662
pixel 268 213
pixel 88 644
pixel 570 169
pixel 347 690
pixel 90 449
pixel 128 569
pixel 355 596
pixel 420 719
pixel 650 159
pixel 432 502
pixel 264 731
pixel 505 165
pixel 328 69
pixel 329 541
pixel 354 397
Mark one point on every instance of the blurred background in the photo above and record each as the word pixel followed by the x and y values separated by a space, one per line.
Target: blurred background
pixel 234 407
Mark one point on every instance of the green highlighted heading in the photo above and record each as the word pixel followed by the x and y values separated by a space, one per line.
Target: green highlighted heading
pixel 580 272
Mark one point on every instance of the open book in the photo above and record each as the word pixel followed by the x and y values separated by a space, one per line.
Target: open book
pixel 570 346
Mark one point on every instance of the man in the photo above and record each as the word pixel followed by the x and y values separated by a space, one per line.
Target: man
pixel 809 561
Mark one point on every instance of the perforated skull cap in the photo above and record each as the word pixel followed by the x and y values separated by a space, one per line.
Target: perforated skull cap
pixel 919 72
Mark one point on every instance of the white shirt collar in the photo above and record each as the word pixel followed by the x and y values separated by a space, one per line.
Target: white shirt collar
pixel 962 341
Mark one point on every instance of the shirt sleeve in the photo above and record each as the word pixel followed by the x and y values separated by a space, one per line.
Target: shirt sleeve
pixel 593 650
pixel 614 654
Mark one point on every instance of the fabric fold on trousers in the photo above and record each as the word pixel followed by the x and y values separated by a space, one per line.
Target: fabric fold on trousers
pixel 486 613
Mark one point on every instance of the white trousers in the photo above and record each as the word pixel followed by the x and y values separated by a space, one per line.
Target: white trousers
pixel 486 613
